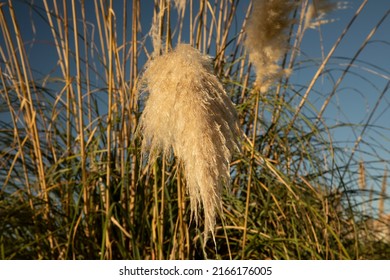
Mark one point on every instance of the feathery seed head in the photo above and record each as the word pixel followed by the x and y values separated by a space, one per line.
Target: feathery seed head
pixel 188 110
pixel 316 12
pixel 180 4
pixel 266 38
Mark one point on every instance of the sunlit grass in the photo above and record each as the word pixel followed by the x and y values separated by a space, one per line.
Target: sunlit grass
pixel 74 184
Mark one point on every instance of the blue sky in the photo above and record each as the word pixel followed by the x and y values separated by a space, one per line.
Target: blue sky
pixel 360 91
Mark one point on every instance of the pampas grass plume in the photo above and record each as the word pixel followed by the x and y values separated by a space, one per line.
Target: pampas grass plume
pixel 316 12
pixel 188 110
pixel 180 4
pixel 266 38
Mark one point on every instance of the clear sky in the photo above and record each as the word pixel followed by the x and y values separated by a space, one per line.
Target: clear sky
pixel 361 89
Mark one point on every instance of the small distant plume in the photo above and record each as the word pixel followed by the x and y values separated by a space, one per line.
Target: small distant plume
pixel 317 10
pixel 180 4
pixel 266 38
pixel 155 31
pixel 188 110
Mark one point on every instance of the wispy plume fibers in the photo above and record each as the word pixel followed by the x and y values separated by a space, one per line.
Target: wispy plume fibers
pixel 266 38
pixel 188 110
pixel 317 10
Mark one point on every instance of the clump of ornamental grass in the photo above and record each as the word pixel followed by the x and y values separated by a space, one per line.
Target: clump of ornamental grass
pixel 188 111
pixel 266 38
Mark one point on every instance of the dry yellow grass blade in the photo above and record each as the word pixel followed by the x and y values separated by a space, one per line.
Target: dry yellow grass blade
pixel 189 111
